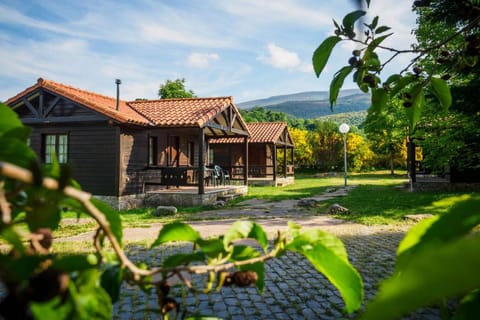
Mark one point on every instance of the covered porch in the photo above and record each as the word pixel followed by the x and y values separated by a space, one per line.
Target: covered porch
pixel 270 153
pixel 181 170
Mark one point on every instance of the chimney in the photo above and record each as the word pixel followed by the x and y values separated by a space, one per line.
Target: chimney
pixel 118 82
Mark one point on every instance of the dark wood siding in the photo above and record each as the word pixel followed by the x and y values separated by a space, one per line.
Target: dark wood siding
pixel 91 154
pixel 133 160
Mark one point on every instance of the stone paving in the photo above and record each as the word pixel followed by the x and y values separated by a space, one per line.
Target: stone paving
pixel 293 288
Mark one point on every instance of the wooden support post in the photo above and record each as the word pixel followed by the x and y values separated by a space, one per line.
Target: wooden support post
pixel 274 153
pixel 411 160
pixel 245 157
pixel 201 162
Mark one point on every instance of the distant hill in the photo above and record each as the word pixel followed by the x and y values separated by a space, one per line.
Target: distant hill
pixel 313 104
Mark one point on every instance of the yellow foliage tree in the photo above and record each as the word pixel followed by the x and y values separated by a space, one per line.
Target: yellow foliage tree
pixel 303 154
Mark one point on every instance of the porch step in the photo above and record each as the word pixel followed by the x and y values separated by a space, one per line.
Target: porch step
pixel 227 197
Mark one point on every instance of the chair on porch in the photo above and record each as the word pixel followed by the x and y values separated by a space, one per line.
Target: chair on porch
pixel 222 175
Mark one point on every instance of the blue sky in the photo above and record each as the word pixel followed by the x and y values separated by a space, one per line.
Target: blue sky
pixel 247 49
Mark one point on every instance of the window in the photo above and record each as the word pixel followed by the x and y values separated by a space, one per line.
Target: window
pixel 152 150
pixel 55 145
pixel 191 153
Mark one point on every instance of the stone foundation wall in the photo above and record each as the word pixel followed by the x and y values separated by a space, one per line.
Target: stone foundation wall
pixel 445 186
pixel 178 199
pixel 123 202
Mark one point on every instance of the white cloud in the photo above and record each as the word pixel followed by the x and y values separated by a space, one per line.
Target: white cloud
pixel 201 60
pixel 280 58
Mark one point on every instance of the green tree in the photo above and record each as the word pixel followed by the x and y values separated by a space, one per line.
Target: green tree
pixel 327 144
pixel 439 257
pixel 386 130
pixel 175 89
pixel 452 139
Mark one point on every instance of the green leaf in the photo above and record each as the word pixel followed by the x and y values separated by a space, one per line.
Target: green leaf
pixel 461 218
pixel 469 307
pixel 413 113
pixel 91 300
pixel 43 209
pixel 338 271
pixel 442 91
pixel 350 19
pixel 414 235
pixel 211 247
pixel 436 272
pixel 376 42
pixel 374 22
pixel 21 268
pixel 73 262
pixel 52 309
pixel 241 253
pixel 11 236
pixel 8 119
pixel 18 133
pixel 182 259
pixel 379 99
pixel 337 83
pixel 322 53
pixel 400 83
pixel 382 29
pixel 314 236
pixel 17 153
pixel 243 230
pixel 112 216
pixel 111 281
pixel 176 231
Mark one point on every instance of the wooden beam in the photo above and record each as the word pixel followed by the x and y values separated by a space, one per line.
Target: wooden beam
pixel 30 107
pixel 40 102
pixel 51 105
pixel 226 129
pixel 62 119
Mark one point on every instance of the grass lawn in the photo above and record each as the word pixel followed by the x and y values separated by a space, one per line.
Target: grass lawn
pixel 377 199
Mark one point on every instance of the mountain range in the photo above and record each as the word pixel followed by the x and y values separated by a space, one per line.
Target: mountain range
pixel 312 104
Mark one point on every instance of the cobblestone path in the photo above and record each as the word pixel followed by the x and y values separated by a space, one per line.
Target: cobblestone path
pixel 293 288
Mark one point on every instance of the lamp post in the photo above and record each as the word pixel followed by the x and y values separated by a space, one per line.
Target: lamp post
pixel 344 128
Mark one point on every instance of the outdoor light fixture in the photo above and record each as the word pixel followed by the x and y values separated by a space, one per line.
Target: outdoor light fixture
pixel 344 128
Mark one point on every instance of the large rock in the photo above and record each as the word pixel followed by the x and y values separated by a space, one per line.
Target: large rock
pixel 307 203
pixel 337 209
pixel 417 217
pixel 164 211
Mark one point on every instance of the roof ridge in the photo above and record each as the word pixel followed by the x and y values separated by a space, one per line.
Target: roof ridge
pixel 182 99
pixel 42 81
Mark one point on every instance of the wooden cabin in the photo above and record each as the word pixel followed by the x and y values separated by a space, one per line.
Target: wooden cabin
pixel 122 151
pixel 270 154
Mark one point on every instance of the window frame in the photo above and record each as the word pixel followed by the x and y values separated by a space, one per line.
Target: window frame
pixel 60 143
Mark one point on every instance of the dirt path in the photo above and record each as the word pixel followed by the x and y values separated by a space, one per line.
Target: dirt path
pixel 272 216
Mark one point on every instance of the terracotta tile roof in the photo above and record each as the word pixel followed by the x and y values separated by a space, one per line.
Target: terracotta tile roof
pixel 260 132
pixel 266 132
pixel 97 102
pixel 194 112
